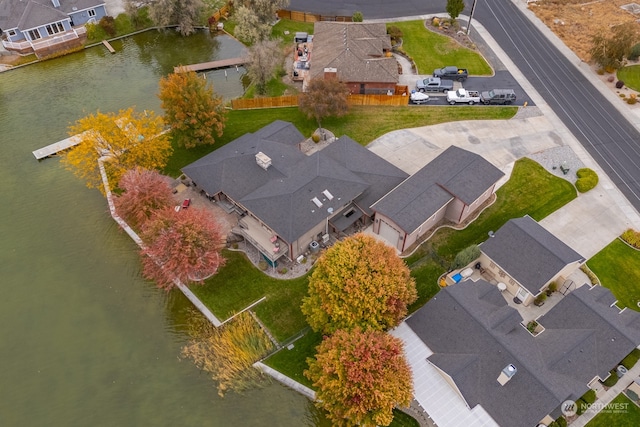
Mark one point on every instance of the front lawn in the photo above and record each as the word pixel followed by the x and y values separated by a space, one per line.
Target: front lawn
pixel 621 413
pixel 630 76
pixel 430 50
pixel 530 190
pixel 239 283
pixel 618 268
pixel 363 124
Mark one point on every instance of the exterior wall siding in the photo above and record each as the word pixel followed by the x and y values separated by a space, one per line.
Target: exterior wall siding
pixel 371 88
pixel 435 219
pixel 81 17
pixel 454 209
pixel 301 245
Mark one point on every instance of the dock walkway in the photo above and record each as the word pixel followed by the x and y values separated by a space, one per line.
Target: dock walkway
pixel 56 147
pixel 203 66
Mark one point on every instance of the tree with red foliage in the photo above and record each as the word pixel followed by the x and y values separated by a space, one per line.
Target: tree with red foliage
pixel 360 376
pixel 145 192
pixel 182 245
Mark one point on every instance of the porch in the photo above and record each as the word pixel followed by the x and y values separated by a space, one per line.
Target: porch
pixel 530 312
pixel 269 244
pixel 47 45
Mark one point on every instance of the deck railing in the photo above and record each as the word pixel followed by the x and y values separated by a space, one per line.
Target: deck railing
pixel 46 42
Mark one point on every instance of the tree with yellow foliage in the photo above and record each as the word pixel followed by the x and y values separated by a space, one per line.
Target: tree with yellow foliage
pixel 123 141
pixel 359 281
pixel 194 112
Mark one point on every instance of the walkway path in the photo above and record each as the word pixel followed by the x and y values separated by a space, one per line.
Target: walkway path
pixel 608 396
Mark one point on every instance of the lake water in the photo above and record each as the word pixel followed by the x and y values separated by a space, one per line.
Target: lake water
pixel 84 340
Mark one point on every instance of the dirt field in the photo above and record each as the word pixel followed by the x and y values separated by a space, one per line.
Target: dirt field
pixel 577 21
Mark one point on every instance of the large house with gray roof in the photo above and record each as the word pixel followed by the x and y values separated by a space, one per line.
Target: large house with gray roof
pixel 356 54
pixel 505 375
pixel 44 27
pixel 451 187
pixel 527 258
pixel 286 199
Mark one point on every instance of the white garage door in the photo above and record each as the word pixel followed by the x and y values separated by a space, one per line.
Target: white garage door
pixel 389 233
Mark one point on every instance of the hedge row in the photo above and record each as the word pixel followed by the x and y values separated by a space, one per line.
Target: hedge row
pixel 632 237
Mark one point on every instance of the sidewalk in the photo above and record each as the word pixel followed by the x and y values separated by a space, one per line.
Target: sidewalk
pixel 608 396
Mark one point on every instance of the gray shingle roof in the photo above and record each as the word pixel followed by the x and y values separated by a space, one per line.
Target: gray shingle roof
pixel 356 50
pixel 454 173
pixel 474 335
pixel 529 253
pixel 281 195
pixel 27 14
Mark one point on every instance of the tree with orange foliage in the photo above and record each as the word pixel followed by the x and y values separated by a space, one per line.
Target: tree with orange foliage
pixel 360 376
pixel 145 192
pixel 123 140
pixel 184 245
pixel 359 281
pixel 196 115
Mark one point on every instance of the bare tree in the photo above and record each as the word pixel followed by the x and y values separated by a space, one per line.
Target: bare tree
pixel 183 13
pixel 262 62
pixel 249 28
pixel 324 98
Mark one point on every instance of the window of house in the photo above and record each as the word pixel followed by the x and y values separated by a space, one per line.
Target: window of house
pixel 92 12
pixel 502 273
pixel 492 264
pixel 34 35
pixel 11 33
pixel 55 28
pixel 512 282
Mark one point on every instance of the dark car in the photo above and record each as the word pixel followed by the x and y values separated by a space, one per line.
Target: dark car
pixel 498 96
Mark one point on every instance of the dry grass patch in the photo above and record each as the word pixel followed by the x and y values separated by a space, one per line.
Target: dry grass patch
pixel 575 22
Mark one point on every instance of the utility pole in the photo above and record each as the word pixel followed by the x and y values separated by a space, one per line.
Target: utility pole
pixel 473 9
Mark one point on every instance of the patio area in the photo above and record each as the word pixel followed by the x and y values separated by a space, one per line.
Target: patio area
pixel 530 312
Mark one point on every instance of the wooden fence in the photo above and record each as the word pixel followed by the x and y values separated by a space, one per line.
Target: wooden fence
pixel 310 17
pixel 292 101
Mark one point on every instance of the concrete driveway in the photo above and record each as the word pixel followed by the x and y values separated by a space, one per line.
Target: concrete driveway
pixel 587 224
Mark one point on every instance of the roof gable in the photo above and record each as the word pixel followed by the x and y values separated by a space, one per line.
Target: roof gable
pixel 464 326
pixel 529 253
pixel 454 173
pixel 281 196
pixel 356 50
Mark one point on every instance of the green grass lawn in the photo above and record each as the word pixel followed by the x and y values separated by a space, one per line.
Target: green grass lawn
pixel 363 124
pixel 618 268
pixel 530 190
pixel 283 25
pixel 630 76
pixel 430 50
pixel 239 283
pixel 629 416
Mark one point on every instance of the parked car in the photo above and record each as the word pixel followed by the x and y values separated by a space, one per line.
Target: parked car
pixel 434 84
pixel 463 96
pixel 451 72
pixel 498 96
pixel 186 203
pixel 418 97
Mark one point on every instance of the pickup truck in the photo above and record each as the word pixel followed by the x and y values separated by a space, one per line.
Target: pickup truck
pixel 434 84
pixel 451 72
pixel 463 96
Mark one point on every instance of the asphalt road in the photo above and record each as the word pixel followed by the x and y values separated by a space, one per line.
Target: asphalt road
pixel 604 132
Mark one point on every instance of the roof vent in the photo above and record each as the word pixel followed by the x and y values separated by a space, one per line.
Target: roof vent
pixel 507 373
pixel 317 202
pixel 327 194
pixel 330 210
pixel 263 160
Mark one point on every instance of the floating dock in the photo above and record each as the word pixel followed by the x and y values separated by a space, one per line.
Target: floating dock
pixel 108 46
pixel 56 147
pixel 224 63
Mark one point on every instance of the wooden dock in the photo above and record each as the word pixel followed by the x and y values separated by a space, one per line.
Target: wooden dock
pixel 56 147
pixel 108 46
pixel 223 63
